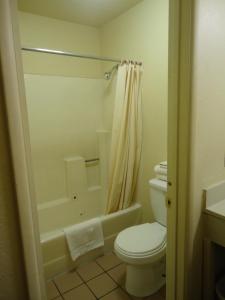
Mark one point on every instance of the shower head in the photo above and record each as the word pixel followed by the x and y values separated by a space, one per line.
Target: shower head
pixel 108 75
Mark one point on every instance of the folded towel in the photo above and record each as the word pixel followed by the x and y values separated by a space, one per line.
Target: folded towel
pixel 163 164
pixel 161 177
pixel 159 170
pixel 84 237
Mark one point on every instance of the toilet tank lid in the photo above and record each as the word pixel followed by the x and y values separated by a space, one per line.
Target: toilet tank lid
pixel 158 184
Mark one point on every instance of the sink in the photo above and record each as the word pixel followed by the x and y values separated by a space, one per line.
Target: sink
pixel 215 200
pixel 214 235
pixel 214 213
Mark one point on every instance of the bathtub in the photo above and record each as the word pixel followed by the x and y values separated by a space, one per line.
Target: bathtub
pixel 56 257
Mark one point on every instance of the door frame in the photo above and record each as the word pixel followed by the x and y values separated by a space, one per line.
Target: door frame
pixel 179 108
pixel 16 110
pixel 179 128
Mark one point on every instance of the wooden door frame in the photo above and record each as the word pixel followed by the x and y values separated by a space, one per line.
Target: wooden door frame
pixel 179 104
pixel 179 124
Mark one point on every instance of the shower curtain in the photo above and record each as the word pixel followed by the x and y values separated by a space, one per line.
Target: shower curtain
pixel 125 149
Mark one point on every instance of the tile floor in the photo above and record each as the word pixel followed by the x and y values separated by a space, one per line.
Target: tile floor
pixel 102 279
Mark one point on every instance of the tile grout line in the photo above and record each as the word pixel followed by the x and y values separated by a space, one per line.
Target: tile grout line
pixel 120 286
pixel 61 294
pixel 70 289
pixel 109 268
pixel 95 277
pixel 109 292
pixel 56 288
pixel 104 272
pixel 91 291
pixel 85 282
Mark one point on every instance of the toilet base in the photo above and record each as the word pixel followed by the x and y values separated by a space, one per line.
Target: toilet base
pixel 145 280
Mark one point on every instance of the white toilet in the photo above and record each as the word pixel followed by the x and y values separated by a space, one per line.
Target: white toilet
pixel 143 247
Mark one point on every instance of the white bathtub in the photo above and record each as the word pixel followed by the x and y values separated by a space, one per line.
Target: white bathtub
pixel 56 256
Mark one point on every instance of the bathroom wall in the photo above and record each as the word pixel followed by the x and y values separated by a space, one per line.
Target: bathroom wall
pixel 141 34
pixel 43 32
pixel 208 122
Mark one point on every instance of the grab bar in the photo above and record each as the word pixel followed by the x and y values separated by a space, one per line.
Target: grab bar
pixel 91 160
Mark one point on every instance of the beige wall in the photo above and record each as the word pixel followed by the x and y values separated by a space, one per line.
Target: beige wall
pixel 142 34
pixel 43 32
pixel 208 126
pixel 12 274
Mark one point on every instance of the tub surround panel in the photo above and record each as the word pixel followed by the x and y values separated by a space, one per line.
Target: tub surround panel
pixel 67 212
pixel 64 115
pixel 86 192
pixel 104 139
pixel 75 177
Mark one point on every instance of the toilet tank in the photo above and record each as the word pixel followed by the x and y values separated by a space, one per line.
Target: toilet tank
pixel 158 189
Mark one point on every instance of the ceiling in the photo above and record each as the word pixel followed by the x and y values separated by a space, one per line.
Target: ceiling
pixel 87 12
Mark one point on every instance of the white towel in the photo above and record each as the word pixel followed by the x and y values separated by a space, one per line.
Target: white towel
pixel 161 177
pixel 84 237
pixel 160 170
pixel 163 164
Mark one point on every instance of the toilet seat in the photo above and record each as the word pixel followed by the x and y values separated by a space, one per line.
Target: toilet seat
pixel 141 244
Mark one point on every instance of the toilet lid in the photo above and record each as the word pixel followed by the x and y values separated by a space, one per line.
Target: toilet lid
pixel 142 239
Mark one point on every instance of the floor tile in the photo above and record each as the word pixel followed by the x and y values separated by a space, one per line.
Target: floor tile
pixel 118 274
pixel 101 285
pixel 51 290
pixel 67 281
pixel 108 261
pixel 89 271
pixel 117 294
pixel 160 295
pixel 138 298
pixel 80 293
pixel 154 297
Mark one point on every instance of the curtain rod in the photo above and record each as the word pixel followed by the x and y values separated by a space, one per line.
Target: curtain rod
pixel 66 53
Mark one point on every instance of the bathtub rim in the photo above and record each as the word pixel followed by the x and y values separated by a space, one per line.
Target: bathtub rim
pixel 50 235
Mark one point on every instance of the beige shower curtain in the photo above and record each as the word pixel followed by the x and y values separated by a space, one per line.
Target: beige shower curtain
pixel 126 138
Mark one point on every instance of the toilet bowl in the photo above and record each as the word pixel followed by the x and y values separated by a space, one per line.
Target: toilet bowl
pixel 143 247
